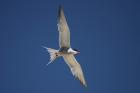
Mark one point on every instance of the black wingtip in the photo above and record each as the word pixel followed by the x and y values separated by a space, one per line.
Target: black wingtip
pixel 60 11
pixel 84 84
pixel 60 7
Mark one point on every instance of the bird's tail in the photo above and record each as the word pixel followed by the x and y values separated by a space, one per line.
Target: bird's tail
pixel 53 54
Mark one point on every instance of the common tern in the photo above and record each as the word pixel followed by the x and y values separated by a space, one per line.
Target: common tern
pixel 65 50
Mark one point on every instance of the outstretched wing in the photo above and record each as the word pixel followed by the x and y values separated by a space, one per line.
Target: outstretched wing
pixel 75 67
pixel 64 33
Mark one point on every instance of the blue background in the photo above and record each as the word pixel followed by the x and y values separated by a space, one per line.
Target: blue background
pixel 106 32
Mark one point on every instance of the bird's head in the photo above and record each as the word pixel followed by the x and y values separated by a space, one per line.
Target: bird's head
pixel 73 51
pixel 76 51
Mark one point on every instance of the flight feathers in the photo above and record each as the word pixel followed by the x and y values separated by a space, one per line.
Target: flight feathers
pixel 75 68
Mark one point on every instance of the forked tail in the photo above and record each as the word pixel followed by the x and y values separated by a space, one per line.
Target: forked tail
pixel 53 54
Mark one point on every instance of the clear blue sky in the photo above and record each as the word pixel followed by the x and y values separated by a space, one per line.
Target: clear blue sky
pixel 106 32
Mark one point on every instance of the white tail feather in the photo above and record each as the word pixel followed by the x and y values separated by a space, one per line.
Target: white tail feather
pixel 53 54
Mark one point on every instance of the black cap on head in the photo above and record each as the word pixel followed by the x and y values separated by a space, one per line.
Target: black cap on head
pixel 75 49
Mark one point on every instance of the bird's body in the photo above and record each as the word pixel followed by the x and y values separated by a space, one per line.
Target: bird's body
pixel 65 48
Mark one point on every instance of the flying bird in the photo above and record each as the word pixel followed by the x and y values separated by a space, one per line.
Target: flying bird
pixel 65 49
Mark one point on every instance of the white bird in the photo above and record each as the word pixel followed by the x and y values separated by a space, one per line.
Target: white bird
pixel 65 48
